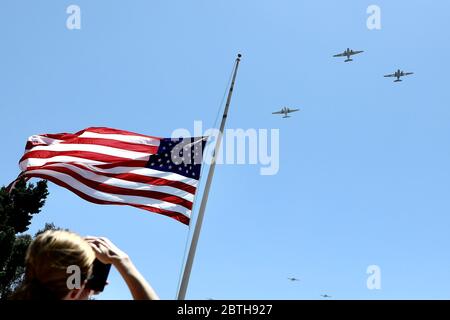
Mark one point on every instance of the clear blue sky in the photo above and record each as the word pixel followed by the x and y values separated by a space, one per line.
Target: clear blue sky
pixel 364 168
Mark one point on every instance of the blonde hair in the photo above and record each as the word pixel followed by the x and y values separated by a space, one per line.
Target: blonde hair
pixel 46 262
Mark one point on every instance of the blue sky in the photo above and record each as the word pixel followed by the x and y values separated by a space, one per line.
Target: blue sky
pixel 364 167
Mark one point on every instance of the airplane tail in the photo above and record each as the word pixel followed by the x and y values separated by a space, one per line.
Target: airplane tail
pixel 398 80
pixel 348 60
pixel 286 116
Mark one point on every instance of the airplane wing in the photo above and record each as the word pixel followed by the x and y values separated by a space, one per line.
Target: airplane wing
pixel 355 52
pixel 340 55
pixel 293 110
pixel 408 73
pixel 278 112
pixel 390 75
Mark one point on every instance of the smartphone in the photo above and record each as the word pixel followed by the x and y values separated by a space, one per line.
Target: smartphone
pixel 100 272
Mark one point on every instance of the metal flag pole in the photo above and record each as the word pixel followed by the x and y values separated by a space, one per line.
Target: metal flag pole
pixel 198 225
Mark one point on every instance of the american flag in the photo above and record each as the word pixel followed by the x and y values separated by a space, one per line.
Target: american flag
pixel 110 166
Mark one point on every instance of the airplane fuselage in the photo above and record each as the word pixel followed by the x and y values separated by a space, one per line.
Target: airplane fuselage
pixel 399 74
pixel 348 53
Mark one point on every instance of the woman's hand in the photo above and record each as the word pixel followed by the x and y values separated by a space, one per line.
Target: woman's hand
pixel 106 251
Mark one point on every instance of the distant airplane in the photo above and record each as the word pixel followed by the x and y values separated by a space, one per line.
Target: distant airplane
pixel 285 111
pixel 293 279
pixel 347 53
pixel 397 74
pixel 325 296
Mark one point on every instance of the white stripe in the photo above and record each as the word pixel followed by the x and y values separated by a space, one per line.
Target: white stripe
pixel 94 148
pixel 91 164
pixel 39 162
pixel 125 199
pixel 124 183
pixel 147 172
pixel 121 137
pixel 42 139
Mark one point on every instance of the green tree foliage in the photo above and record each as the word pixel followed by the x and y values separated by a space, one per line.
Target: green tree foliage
pixel 16 211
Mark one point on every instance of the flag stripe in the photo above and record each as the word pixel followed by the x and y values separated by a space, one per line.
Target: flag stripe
pixel 43 154
pixel 101 194
pixel 140 175
pixel 137 174
pixel 99 149
pixel 93 133
pixel 38 140
pixel 112 189
pixel 173 214
pixel 151 141
pixel 105 130
pixel 127 163
pixel 146 172
pixel 36 162
pixel 122 180
pixel 129 146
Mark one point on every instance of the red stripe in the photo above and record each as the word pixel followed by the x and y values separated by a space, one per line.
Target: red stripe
pixel 126 163
pixel 175 215
pixel 130 177
pixel 59 136
pixel 153 181
pixel 105 130
pixel 102 130
pixel 124 191
pixel 45 154
pixel 139 178
pixel 31 145
pixel 172 214
pixel 128 146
